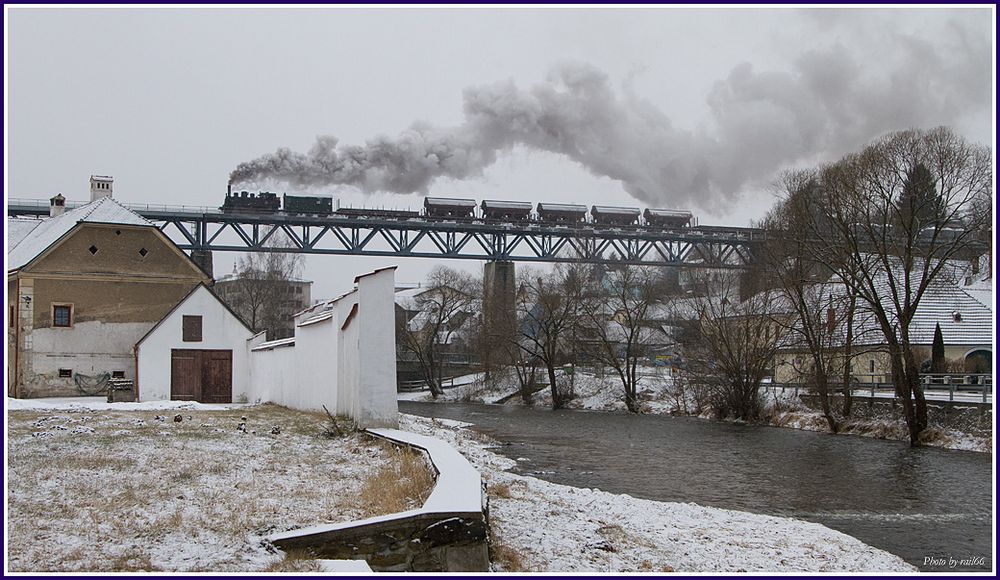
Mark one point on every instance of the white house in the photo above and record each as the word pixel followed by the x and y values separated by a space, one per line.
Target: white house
pixel 199 351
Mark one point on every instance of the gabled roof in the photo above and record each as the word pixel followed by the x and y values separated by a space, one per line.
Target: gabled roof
pixel 964 319
pixel 18 228
pixel 185 299
pixel 48 231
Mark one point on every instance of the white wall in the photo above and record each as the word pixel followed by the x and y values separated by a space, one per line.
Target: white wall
pixel 220 330
pixel 347 366
pixel 376 321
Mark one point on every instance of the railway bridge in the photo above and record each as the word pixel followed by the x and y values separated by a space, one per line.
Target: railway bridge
pixel 203 230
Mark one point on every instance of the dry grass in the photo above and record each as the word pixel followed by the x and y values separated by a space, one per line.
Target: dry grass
pixel 403 483
pixel 499 490
pixel 504 557
pixel 133 490
pixel 295 561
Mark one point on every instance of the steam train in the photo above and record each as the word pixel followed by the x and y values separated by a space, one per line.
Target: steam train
pixel 465 210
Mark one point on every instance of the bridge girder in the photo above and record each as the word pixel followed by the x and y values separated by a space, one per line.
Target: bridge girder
pixel 695 247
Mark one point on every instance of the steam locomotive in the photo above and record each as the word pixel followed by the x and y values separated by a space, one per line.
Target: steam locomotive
pixel 465 210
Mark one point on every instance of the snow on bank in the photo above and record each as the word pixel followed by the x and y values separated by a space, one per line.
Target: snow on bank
pixel 659 394
pixel 557 528
pixel 101 404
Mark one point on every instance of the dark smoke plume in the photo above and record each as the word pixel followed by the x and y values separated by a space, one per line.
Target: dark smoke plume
pixel 828 104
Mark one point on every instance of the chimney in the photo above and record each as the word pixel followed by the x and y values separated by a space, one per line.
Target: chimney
pixel 57 205
pixel 100 186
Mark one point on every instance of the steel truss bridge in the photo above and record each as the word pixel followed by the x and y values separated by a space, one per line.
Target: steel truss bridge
pixel 207 229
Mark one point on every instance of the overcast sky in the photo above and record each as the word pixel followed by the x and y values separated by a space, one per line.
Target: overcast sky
pixel 687 108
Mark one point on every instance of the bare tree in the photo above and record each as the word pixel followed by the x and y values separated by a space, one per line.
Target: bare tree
pixel 548 314
pixel 732 347
pixel 434 321
pixel 614 314
pixel 901 213
pixel 261 283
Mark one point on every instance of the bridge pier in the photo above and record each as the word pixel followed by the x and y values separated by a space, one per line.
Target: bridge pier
pixel 204 260
pixel 499 313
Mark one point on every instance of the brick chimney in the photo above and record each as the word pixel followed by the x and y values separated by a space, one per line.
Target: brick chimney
pixel 57 205
pixel 100 186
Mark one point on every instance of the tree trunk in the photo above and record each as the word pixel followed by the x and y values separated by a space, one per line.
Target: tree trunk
pixel 557 401
pixel 822 388
pixel 904 390
pixel 848 343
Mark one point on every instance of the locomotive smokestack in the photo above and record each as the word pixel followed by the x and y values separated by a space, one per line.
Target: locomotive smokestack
pixel 229 189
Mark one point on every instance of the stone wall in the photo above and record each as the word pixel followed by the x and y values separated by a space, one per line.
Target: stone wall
pixel 969 418
pixel 427 542
pixel 449 533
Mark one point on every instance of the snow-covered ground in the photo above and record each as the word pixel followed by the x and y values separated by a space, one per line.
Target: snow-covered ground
pixel 130 488
pixel 542 526
pixel 660 394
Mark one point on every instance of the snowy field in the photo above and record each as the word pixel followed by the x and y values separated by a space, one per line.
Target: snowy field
pixel 96 490
pixel 542 526
pixel 658 394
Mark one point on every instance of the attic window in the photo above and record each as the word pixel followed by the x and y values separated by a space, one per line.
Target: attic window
pixel 143 252
pixel 118 232
pixel 191 329
pixel 956 316
pixel 92 249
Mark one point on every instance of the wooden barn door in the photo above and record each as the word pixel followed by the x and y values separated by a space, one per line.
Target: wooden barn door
pixel 205 376
pixel 185 375
pixel 217 376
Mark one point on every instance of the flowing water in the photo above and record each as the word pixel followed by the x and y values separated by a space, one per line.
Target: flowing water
pixel 917 503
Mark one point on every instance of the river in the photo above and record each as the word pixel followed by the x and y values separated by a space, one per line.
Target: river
pixel 917 503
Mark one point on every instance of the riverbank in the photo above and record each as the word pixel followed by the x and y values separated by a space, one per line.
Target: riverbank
pixel 543 526
pixel 659 394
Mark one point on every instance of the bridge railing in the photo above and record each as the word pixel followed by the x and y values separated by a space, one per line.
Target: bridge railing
pixel 964 388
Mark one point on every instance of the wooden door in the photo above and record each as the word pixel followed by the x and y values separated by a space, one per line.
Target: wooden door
pixel 205 376
pixel 217 376
pixel 185 375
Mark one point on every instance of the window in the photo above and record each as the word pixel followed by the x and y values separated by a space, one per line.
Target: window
pixel 65 373
pixel 62 315
pixel 871 366
pixel 92 249
pixel 118 374
pixel 191 329
pixel 298 289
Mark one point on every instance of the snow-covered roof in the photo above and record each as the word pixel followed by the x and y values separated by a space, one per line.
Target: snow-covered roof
pixel 18 228
pixel 40 238
pixel 273 344
pixel 324 315
pixel 964 319
pixel 981 291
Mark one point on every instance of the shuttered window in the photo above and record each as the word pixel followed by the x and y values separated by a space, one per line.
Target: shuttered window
pixel 191 329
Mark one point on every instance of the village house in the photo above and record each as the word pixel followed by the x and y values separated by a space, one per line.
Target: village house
pixel 960 309
pixel 83 286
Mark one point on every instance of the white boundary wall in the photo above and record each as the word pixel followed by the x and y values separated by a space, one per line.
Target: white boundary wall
pixel 343 356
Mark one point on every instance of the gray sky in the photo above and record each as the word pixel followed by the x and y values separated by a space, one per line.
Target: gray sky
pixel 694 108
